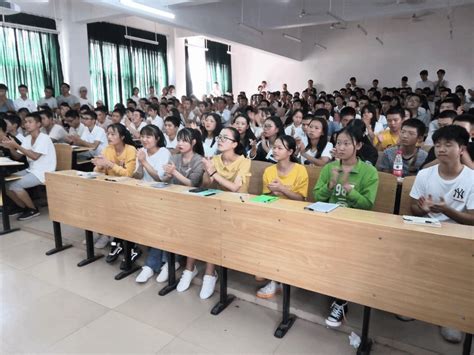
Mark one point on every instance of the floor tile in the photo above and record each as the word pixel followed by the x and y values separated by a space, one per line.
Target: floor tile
pixel 114 333
pixel 180 346
pixel 27 254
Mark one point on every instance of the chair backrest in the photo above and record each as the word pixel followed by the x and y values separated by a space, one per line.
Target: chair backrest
pixel 386 194
pixel 405 199
pixel 313 176
pixel 256 169
pixel 63 157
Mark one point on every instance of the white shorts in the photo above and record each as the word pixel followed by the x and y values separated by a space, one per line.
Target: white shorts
pixel 27 180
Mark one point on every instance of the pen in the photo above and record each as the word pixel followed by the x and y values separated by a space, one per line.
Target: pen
pixel 241 199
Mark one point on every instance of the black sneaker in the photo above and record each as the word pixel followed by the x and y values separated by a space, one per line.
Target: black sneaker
pixel 136 253
pixel 337 314
pixel 115 250
pixel 28 214
pixel 13 211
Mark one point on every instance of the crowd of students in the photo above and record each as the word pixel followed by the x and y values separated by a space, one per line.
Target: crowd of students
pixel 351 133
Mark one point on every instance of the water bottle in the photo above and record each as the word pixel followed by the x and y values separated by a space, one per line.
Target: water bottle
pixel 398 165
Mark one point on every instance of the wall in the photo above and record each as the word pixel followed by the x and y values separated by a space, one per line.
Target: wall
pixel 408 48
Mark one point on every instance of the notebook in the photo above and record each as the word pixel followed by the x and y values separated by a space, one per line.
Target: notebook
pixel 423 221
pixel 264 199
pixel 322 207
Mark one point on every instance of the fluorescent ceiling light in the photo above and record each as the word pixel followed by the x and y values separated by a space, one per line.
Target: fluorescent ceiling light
pixel 197 46
pixel 336 17
pixel 296 39
pixel 362 29
pixel 250 28
pixel 148 9
pixel 379 40
pixel 139 39
pixel 320 46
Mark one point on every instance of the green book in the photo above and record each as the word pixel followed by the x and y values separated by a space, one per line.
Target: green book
pixel 264 198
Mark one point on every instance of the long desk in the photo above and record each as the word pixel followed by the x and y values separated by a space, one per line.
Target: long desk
pixel 365 257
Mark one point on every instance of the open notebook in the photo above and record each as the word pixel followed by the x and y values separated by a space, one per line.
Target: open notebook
pixel 322 207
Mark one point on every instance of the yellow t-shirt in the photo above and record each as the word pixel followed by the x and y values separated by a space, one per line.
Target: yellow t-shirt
pixel 125 163
pixel 240 167
pixel 296 180
pixel 388 140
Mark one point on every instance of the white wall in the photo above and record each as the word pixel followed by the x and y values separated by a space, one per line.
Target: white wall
pixel 408 48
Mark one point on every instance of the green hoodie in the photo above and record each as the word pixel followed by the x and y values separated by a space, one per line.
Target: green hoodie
pixel 364 179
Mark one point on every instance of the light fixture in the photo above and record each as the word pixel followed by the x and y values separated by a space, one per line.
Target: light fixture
pixel 139 39
pixel 334 16
pixel 250 28
pixel 362 29
pixel 296 39
pixel 320 45
pixel 379 40
pixel 148 9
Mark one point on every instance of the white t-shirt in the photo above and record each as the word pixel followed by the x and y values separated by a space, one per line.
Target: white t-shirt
pixel 97 134
pixel 225 117
pixel 298 131
pixel 208 150
pixel 157 160
pixel 29 104
pixel 47 161
pixel 58 133
pixel 171 144
pixel 85 102
pixel 158 122
pixel 257 131
pixel 51 102
pixel 77 131
pixel 425 84
pixel 457 193
pixel 142 124
pixel 20 137
pixel 326 152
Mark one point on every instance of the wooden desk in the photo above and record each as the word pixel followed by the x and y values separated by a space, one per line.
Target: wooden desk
pixel 7 166
pixel 365 257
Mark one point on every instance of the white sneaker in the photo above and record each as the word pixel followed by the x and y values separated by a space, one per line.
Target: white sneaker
pixel 163 275
pixel 145 274
pixel 269 290
pixel 186 279
pixel 451 335
pixel 208 285
pixel 102 242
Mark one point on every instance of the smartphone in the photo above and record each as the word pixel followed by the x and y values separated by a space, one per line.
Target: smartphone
pixel 198 189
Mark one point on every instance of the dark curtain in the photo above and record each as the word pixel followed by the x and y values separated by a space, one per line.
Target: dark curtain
pixel 189 82
pixel 219 68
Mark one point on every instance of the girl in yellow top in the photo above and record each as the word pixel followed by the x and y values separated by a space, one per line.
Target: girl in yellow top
pixel 118 159
pixel 228 171
pixel 285 179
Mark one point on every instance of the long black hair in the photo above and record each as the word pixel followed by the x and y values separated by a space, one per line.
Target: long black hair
pixel 373 111
pixel 323 140
pixel 152 130
pixel 290 144
pixel 278 123
pixel 239 150
pixel 123 133
pixel 216 131
pixel 187 135
pixel 248 133
pixel 355 133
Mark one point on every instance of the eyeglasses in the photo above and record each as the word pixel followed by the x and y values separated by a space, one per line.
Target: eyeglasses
pixel 224 138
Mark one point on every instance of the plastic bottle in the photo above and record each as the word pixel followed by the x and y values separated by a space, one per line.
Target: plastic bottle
pixel 398 165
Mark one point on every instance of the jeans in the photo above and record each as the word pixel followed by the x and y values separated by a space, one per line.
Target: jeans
pixel 155 259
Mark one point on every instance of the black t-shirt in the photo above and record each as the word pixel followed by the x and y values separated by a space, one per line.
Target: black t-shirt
pixel 431 154
pixel 6 152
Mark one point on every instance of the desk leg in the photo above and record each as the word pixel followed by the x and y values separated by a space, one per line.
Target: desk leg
pixel 129 267
pixel 365 343
pixel 466 349
pixel 224 299
pixel 172 283
pixel 90 250
pixel 5 216
pixel 288 319
pixel 58 240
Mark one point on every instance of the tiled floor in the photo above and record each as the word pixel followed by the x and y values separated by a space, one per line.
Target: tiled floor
pixel 49 305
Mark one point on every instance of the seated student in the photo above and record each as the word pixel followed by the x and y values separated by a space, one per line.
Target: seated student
pixel 446 191
pixel 151 160
pixel 103 121
pixel 118 159
pixel 318 150
pixel 56 132
pixel 185 168
pixel 241 123
pixel 14 127
pixel 155 119
pixel 369 116
pixel 367 153
pixel 295 129
pixel 449 104
pixel 348 182
pixel 93 137
pixel 347 114
pixel 6 151
pixel 228 171
pixel 212 126
pixel 411 135
pixel 171 132
pixel 272 128
pixel 286 179
pixel 41 155
pixel 136 123
pixel 73 121
pixel 117 117
pixel 447 118
pixel 390 136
